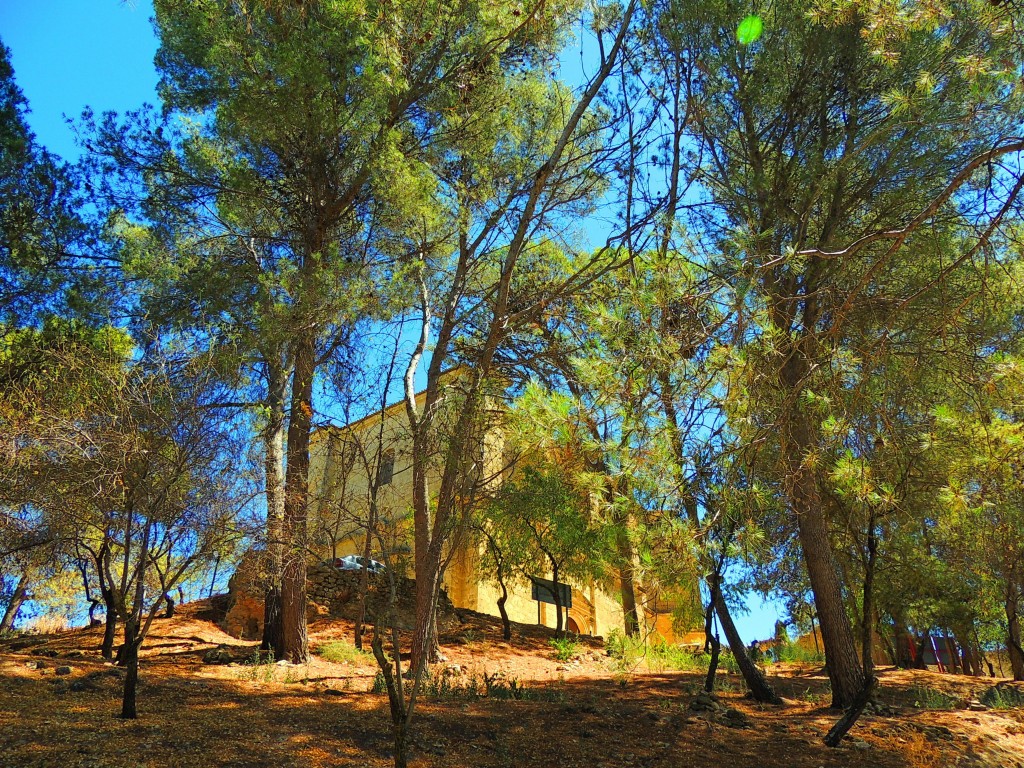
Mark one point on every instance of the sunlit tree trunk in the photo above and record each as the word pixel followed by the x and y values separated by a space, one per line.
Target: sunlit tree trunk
pixel 273 446
pixel 295 642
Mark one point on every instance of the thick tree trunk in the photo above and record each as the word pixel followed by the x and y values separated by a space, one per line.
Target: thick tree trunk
pixel 293 573
pixel 844 669
pixel 856 708
pixel 273 446
pixel 17 600
pixel 1013 634
pixel 130 656
pixel 760 690
pixel 110 624
pixel 428 586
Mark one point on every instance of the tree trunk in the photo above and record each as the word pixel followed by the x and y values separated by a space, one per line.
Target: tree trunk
pixel 273 446
pixel 130 657
pixel 848 720
pixel 558 599
pixel 903 641
pixel 760 690
pixel 428 585
pixel 922 646
pixel 627 584
pixel 801 486
pixel 293 574
pixel 169 613
pixel 110 623
pixel 17 600
pixel 364 579
pixel 506 625
pixel 711 646
pixel 1013 635
pixel 844 669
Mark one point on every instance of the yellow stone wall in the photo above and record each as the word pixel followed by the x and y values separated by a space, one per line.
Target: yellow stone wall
pixel 339 481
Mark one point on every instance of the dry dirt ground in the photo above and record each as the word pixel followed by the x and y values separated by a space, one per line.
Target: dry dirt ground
pixel 589 712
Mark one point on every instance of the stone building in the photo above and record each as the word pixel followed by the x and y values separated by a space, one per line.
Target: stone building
pixel 342 463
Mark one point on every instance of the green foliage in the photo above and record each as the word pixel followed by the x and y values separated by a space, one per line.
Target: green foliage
pixel 497 686
pixel 342 652
pixel 1003 697
pixel 566 648
pixel 628 653
pixel 749 30
pixel 925 697
pixel 794 652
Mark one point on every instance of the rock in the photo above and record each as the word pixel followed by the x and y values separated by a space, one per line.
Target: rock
pixel 706 702
pixel 976 706
pixel 859 744
pixel 48 652
pixel 562 668
pixel 64 670
pixel 74 655
pixel 734 718
pixel 36 664
pixel 60 686
pixel 218 655
pixel 28 642
pixel 283 663
pixel 85 685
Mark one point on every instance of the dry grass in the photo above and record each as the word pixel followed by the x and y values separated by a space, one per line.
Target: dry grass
pixel 322 714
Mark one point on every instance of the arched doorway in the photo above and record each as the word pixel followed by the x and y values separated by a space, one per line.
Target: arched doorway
pixel 572 626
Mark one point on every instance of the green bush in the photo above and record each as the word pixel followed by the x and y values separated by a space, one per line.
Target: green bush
pixel 931 698
pixel 566 648
pixel 341 652
pixel 797 653
pixel 1001 697
pixel 496 686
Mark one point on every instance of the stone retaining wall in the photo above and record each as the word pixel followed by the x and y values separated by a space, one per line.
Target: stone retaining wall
pixel 329 591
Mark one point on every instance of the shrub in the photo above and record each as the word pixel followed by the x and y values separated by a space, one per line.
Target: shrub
pixel 931 698
pixel 340 652
pixel 800 654
pixel 1001 697
pixel 566 648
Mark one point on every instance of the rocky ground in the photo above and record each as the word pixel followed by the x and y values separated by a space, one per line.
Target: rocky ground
pixel 492 703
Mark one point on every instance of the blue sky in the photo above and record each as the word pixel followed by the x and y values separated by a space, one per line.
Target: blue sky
pixel 70 54
pixel 73 54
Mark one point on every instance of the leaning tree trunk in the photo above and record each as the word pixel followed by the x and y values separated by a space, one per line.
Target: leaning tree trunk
pixel 295 642
pixel 17 600
pixel 760 690
pixel 844 670
pixel 273 446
